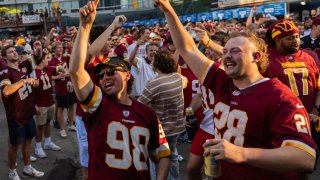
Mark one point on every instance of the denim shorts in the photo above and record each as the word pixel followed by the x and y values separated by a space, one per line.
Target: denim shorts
pixel 83 142
pixel 18 133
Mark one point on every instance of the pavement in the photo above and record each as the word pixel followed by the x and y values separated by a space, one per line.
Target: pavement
pixel 64 164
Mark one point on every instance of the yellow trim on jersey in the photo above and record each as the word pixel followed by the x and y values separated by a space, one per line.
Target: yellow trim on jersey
pixel 317 125
pixel 179 69
pixel 93 99
pixel 164 153
pixel 318 82
pixel 293 64
pixel 204 71
pixel 299 145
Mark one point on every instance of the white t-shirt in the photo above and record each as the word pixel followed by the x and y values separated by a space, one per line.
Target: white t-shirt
pixel 141 53
pixel 143 73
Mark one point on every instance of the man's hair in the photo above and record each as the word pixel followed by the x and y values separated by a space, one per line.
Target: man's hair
pixel 130 84
pixel 163 61
pixel 259 16
pixel 133 30
pixel 142 30
pixel 55 44
pixel 230 21
pixel 151 44
pixel 4 50
pixel 260 45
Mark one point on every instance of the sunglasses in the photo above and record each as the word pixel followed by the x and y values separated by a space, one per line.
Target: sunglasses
pixel 109 72
pixel 114 39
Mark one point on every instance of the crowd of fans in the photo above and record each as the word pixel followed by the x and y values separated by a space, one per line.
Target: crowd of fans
pixel 115 71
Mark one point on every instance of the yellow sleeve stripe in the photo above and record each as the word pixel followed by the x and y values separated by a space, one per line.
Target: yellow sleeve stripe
pixel 205 70
pixel 179 69
pixel 164 153
pixel 93 100
pixel 299 145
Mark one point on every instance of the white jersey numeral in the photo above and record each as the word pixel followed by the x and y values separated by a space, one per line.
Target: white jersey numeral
pixel 24 91
pixel 45 81
pixel 235 121
pixel 139 138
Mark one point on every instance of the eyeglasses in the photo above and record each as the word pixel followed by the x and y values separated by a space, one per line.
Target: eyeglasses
pixel 109 72
pixel 114 39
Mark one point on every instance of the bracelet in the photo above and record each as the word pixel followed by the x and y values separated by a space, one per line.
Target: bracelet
pixel 207 45
pixel 23 81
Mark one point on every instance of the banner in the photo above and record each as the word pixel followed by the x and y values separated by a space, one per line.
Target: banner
pixel 228 3
pixel 30 19
pixel 237 13
pixel 204 17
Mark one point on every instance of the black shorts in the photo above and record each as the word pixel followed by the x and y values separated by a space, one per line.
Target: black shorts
pixel 18 133
pixel 67 100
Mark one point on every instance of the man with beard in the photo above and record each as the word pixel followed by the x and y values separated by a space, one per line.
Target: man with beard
pixel 260 132
pixel 294 67
pixel 122 133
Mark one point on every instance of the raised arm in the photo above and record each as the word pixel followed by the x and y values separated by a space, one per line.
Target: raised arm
pixel 80 78
pixel 182 40
pixel 249 20
pixel 204 39
pixel 96 47
pixel 132 58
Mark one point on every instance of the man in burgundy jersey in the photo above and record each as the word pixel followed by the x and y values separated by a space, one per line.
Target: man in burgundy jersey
pixel 294 67
pixel 64 92
pixel 122 133
pixel 16 87
pixel 44 104
pixel 261 127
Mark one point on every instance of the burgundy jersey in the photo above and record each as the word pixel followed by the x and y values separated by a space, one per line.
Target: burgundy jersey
pixel 265 115
pixel 43 92
pixel 3 64
pixel 193 87
pixel 20 105
pixel 299 72
pixel 121 138
pixel 121 51
pixel 61 84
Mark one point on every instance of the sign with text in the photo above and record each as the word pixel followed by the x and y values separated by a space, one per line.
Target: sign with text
pixel 30 19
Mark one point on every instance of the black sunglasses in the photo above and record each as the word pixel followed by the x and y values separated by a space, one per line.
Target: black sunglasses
pixel 109 71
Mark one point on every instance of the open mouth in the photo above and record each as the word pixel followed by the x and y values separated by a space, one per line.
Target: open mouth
pixel 108 85
pixel 229 65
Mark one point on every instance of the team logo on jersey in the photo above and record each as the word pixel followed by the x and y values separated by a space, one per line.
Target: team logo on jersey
pixel 126 113
pixel 290 57
pixel 24 70
pixel 236 93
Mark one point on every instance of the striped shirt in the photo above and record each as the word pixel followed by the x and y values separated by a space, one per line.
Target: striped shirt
pixel 165 95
